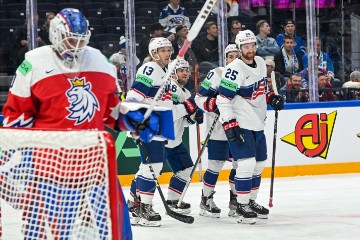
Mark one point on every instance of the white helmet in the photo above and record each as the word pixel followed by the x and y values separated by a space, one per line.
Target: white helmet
pixel 244 37
pixel 231 48
pixel 68 24
pixel 158 42
pixel 182 63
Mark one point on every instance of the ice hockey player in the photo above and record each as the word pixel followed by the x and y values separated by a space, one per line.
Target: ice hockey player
pixel 177 155
pixel 242 102
pixel 149 78
pixel 69 85
pixel 206 100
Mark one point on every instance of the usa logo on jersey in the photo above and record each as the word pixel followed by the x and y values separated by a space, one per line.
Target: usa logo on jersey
pixel 83 102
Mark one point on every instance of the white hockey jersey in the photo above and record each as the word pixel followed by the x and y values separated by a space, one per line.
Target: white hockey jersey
pixel 209 89
pixel 243 94
pixel 179 95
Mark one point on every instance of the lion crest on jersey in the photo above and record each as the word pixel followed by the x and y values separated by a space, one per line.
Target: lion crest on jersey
pixel 83 102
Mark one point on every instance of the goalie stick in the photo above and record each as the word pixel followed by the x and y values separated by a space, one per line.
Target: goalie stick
pixel 193 32
pixel 178 216
pixel 273 82
pixel 198 160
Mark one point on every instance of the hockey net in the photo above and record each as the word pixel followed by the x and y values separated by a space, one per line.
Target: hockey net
pixel 57 185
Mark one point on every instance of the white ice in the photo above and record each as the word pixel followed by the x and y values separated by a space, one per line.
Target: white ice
pixel 314 207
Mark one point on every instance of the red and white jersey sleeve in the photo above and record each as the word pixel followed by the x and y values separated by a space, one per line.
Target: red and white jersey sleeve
pixel 46 94
pixel 242 94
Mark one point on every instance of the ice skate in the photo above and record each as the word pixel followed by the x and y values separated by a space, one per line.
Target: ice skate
pixel 185 208
pixel 208 207
pixel 262 212
pixel 232 205
pixel 246 214
pixel 134 209
pixel 148 217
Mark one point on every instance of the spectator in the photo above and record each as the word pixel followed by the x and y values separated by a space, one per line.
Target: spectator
pixel 287 61
pixel 325 93
pixel 291 92
pixel 44 31
pixel 324 59
pixel 354 80
pixel 180 37
pixel 354 83
pixel 333 44
pixel 279 79
pixel 267 46
pixel 119 60
pixel 156 30
pixel 289 30
pixel 305 75
pixel 232 8
pixel 173 15
pixel 235 27
pixel 210 42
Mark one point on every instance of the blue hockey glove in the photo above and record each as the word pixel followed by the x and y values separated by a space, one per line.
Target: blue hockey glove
pixel 276 102
pixel 233 131
pixel 132 121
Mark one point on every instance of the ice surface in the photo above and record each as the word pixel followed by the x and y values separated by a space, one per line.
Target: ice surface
pixel 314 207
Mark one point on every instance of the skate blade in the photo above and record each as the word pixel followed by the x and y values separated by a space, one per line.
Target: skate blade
pixel 134 221
pixel 146 223
pixel 246 220
pixel 233 213
pixel 205 213
pixel 263 216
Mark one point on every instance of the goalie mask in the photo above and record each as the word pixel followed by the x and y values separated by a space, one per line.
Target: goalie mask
pixel 69 33
pixel 181 72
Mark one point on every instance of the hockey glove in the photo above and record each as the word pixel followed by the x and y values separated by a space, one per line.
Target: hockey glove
pixel 210 105
pixel 276 102
pixel 190 106
pixel 132 121
pixel 233 131
pixel 199 116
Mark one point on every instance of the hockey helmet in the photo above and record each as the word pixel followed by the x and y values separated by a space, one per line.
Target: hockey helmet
pixel 159 42
pixel 182 63
pixel 69 33
pixel 244 37
pixel 231 48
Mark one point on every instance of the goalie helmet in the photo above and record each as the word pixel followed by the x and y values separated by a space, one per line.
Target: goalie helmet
pixel 69 33
pixel 244 37
pixel 158 42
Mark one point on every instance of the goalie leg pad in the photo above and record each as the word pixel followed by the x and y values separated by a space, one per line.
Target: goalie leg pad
pixel 243 179
pixel 256 179
pixel 211 176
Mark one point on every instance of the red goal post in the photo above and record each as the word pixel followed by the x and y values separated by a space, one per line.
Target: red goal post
pixel 58 185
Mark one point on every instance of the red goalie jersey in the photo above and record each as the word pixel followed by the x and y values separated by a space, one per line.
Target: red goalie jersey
pixel 46 94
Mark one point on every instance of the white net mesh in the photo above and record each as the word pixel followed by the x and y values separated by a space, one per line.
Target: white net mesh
pixel 54 185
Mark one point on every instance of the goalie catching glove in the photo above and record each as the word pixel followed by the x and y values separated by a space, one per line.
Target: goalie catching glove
pixel 158 124
pixel 233 131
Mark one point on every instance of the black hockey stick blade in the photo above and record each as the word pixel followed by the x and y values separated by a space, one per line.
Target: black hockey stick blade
pixel 180 217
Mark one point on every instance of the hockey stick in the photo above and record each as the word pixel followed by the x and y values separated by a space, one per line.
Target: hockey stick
pixel 197 125
pixel 273 82
pixel 198 160
pixel 193 32
pixel 171 213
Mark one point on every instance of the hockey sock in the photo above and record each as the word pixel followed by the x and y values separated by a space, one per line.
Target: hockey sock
pixel 146 183
pixel 243 179
pixel 256 179
pixel 211 176
pixel 133 190
pixel 177 183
